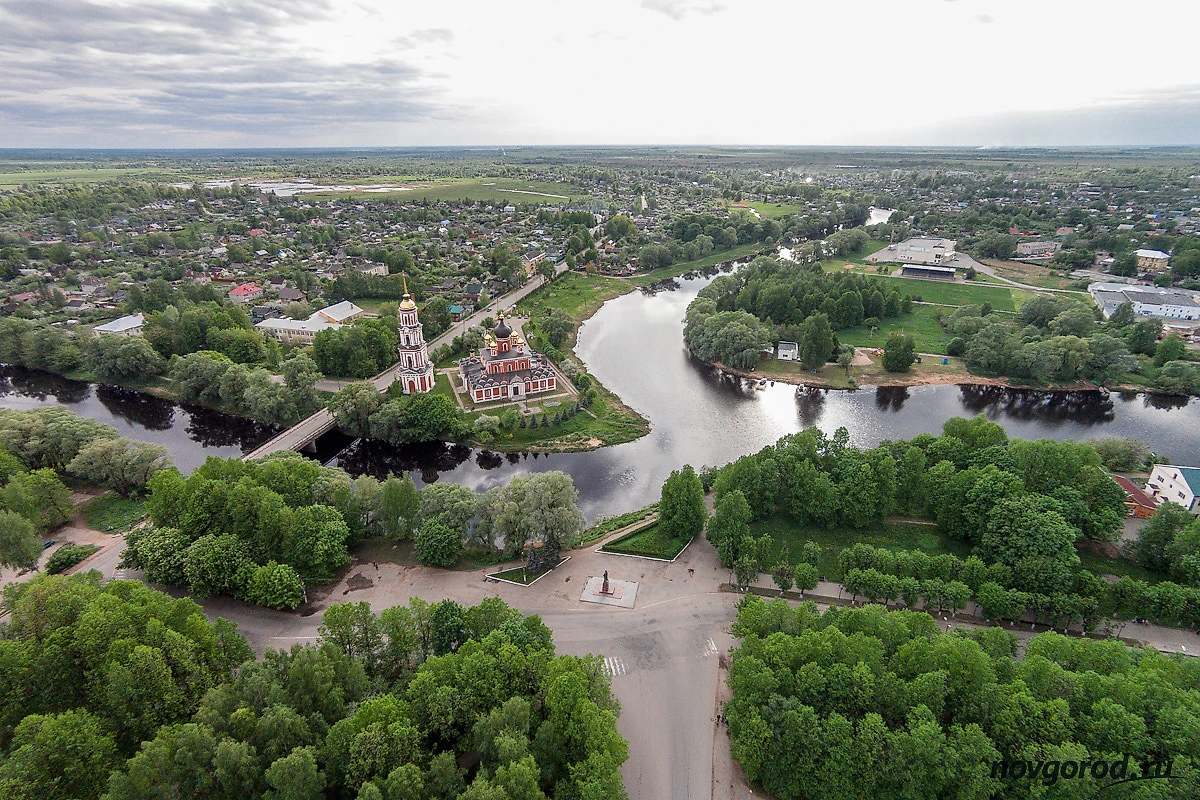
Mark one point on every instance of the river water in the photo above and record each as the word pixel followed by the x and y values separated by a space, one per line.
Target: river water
pixel 634 345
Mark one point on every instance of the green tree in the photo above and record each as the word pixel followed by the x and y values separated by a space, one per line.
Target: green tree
pixel 437 544
pixel 816 342
pixel 123 465
pixel 40 497
pixel 275 586
pixel 58 757
pixel 1172 348
pixel 681 512
pixel 353 407
pixel 899 352
pixel 113 357
pixel 729 527
pixel 20 545
pixel 805 577
pixel 295 777
pixel 399 506
pixel 556 326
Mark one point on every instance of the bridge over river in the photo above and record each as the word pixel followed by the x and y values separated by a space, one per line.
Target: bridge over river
pixel 307 431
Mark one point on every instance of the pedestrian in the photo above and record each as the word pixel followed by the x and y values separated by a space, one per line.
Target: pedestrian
pixel 375 564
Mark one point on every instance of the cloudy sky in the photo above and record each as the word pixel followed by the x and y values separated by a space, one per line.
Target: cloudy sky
pixel 269 73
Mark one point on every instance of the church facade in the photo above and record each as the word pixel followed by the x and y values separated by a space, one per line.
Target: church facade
pixel 415 372
pixel 505 368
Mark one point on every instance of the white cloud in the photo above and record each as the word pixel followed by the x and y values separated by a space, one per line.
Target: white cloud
pixel 379 72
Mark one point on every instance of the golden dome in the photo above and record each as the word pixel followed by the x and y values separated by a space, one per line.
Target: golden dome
pixel 407 303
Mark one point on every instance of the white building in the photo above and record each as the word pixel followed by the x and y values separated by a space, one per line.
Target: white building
pixel 789 351
pixel 329 318
pixel 934 252
pixel 124 326
pixel 1172 484
pixel 1147 301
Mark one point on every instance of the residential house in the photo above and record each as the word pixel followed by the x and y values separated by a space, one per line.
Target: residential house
pixel 289 295
pixel 1169 483
pixel 373 268
pixel 789 351
pixel 471 292
pixel 456 312
pixel 1152 259
pixel 245 293
pixel 1138 503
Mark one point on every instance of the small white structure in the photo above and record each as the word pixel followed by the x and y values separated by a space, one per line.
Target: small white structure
pixel 788 351
pixel 124 326
pixel 1169 483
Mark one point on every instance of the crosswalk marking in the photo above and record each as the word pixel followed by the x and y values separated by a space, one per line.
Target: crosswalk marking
pixel 613 666
pixel 710 648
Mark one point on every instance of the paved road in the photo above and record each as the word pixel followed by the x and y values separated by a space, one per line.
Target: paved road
pixel 308 430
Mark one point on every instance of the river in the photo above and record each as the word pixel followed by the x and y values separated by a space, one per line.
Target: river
pixel 634 345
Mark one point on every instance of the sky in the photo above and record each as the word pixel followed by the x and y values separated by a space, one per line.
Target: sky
pixel 304 73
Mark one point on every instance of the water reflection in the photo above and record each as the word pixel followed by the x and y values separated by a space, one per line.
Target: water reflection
pixel 41 386
pixel 1079 408
pixel 890 398
pixel 152 413
pixel 810 404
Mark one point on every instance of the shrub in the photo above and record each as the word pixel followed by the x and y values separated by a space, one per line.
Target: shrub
pixel 68 556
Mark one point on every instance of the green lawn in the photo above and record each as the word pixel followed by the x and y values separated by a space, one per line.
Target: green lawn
pixel 84 175
pixel 112 513
pixel 610 425
pixel 577 294
pixel 773 209
pixel 921 323
pixel 606 526
pixel 893 536
pixel 954 294
pixel 651 541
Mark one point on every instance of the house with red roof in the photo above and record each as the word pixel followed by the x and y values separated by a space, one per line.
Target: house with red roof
pixel 1139 503
pixel 246 293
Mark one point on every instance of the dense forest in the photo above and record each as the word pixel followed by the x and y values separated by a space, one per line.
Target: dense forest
pixel 121 692
pixel 865 703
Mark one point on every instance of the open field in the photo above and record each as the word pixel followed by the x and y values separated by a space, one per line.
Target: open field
pixel 83 175
pixel 1032 274
pixel 507 190
pixel 893 536
pixel 651 542
pixel 577 294
pixel 771 209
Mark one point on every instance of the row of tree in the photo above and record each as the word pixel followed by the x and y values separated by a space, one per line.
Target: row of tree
pixel 118 691
pixel 212 379
pixel 875 704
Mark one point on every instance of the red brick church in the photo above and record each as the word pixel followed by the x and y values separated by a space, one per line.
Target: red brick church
pixel 505 368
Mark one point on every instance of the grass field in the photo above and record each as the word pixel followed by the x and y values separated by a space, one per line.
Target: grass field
pixel 955 294
pixel 772 209
pixel 112 513
pixel 651 542
pixel 606 526
pixel 83 175
pixel 577 294
pixel 921 323
pixel 893 536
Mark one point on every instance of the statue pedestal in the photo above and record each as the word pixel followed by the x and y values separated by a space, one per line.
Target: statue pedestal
pixel 621 594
